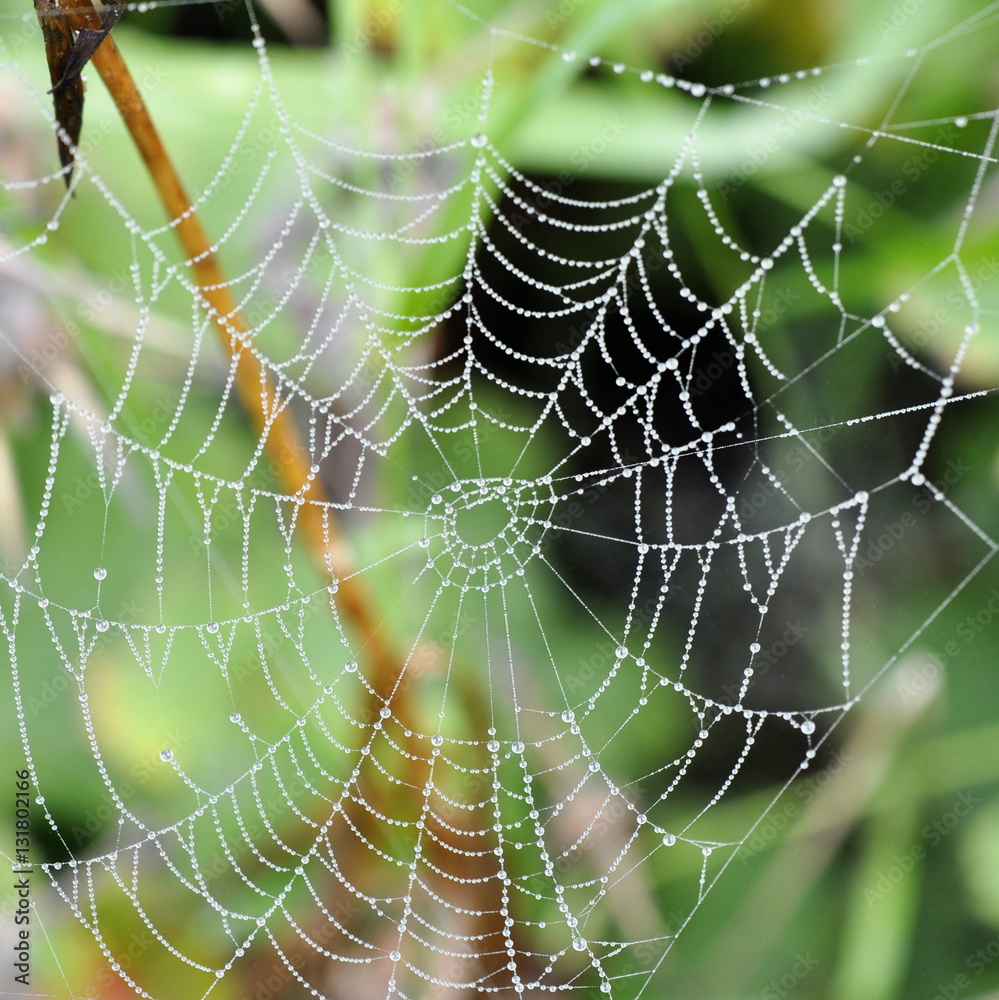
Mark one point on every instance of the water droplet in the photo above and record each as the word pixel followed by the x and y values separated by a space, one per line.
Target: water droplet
pixel 212 627
pixel 424 542
pixel 569 55
pixel 478 140
pixel 437 740
pixel 350 666
pixel 579 944
pixel 395 956
pixel 568 715
pixel 103 625
pixel 166 755
pixel 668 840
pixel 517 747
pixel 100 573
pixel 621 652
pixel 235 717
pixel 808 727
pixel 493 746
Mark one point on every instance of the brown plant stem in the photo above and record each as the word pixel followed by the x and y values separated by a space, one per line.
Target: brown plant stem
pixel 466 866
pixel 268 411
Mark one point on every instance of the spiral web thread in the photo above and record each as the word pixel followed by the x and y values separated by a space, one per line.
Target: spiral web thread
pixel 504 822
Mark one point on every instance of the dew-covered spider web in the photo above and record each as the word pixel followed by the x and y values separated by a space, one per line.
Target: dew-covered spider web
pixel 613 490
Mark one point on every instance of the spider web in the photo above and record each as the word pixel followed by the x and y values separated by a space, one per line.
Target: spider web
pixel 615 526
